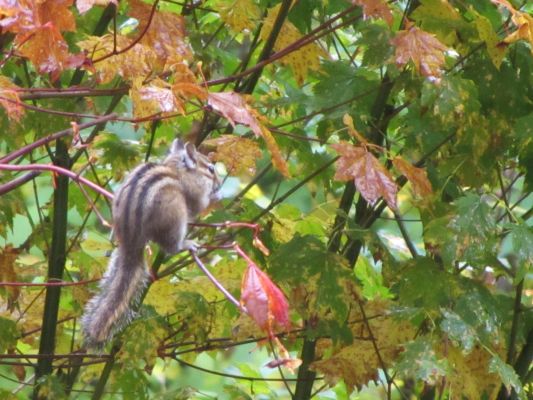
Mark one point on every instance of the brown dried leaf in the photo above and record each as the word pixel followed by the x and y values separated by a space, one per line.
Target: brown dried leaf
pixel 235 109
pixel 375 9
pixel 426 52
pixel 9 99
pixel 238 154
pixel 417 176
pixel 371 178
pixel 8 274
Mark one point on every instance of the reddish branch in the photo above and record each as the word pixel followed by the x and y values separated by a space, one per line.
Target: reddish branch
pixel 54 168
pixel 50 138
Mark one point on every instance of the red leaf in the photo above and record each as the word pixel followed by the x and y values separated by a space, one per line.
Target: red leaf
pixel 371 178
pixel 264 301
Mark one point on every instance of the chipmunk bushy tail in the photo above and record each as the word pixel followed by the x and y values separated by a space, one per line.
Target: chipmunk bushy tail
pixel 120 290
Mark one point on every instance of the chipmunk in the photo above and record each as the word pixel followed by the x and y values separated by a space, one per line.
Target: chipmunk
pixel 155 202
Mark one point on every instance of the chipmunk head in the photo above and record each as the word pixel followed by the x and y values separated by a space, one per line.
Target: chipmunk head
pixel 196 169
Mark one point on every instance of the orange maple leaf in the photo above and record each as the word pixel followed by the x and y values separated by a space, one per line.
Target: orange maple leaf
pixel 234 108
pixel 375 9
pixel 417 176
pixel 165 35
pixel 371 178
pixel 37 27
pixel 423 49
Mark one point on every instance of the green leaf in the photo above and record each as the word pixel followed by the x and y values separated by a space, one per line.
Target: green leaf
pixel 10 334
pixel 305 259
pixel 371 279
pixel 420 361
pixel 521 237
pixel 425 285
pixel 50 387
pixel 475 231
pixel 458 330
pixel 508 375
pixel 375 38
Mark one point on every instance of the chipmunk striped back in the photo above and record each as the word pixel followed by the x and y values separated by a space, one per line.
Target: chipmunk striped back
pixel 156 202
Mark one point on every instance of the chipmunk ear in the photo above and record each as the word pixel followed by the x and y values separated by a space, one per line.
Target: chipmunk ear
pixel 184 153
pixel 191 158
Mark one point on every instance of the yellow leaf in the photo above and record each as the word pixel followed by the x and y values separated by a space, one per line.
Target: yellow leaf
pixel 302 60
pixel 469 377
pixel 162 297
pixel 153 98
pixel 9 99
pixel 486 33
pixel 240 15
pixel 238 154
pixel 359 362
pixel 138 62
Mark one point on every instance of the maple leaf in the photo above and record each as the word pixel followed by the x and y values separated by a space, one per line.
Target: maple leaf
pixel 139 62
pixel 371 178
pixel 238 154
pixel 375 9
pixel 423 49
pixel 358 363
pixel 9 99
pixel 235 109
pixel 264 301
pixel 153 98
pixel 165 35
pixel 301 61
pixel 85 5
pixel 240 14
pixel 38 27
pixel 417 176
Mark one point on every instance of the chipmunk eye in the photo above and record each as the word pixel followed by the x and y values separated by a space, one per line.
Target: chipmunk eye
pixel 211 168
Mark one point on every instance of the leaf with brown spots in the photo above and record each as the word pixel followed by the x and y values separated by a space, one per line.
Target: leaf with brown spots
pixel 371 178
pixel 417 176
pixel 238 154
pixel 423 49
pixel 234 108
